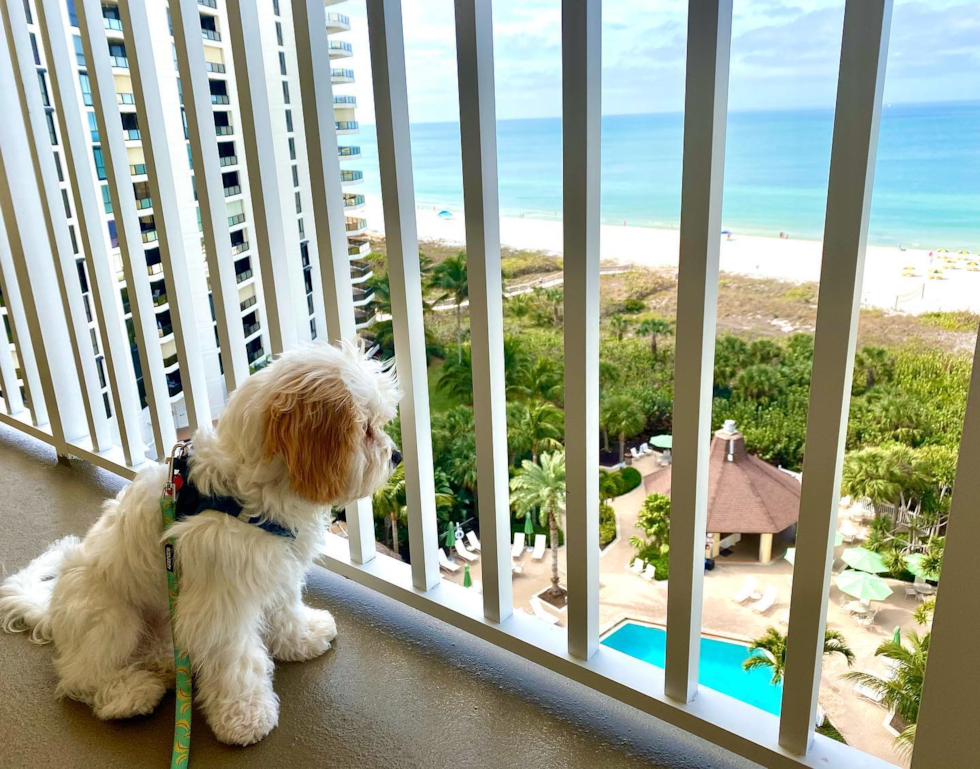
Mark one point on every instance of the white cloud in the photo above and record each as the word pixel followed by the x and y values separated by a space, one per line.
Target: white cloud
pixel 784 55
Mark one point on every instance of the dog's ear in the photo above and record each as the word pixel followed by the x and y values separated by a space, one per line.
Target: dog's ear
pixel 312 426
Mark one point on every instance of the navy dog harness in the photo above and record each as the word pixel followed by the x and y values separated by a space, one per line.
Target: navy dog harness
pixel 190 501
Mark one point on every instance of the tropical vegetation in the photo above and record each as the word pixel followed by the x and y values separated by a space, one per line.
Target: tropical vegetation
pixel 769 652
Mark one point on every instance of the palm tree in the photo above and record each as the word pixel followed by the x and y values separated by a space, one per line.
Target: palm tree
pixel 871 365
pixel 761 382
pixel 621 416
pixel 457 375
pixel 556 298
pixel 541 378
pixel 620 325
pixel 449 276
pixel 773 652
pixel 538 425
pixel 654 521
pixel 902 692
pixel 654 327
pixel 389 502
pixel 540 486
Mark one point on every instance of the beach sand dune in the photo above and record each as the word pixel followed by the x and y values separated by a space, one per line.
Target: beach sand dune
pixel 888 283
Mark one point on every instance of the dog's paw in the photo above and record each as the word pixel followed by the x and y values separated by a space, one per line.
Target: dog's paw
pixel 245 721
pixel 313 639
pixel 132 693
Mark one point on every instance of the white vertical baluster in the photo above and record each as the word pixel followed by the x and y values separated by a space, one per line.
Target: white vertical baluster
pixel 316 91
pixel 210 189
pixel 113 145
pixel 55 222
pixel 88 212
pixel 478 132
pixel 33 264
pixel 19 332
pixel 401 237
pixel 581 112
pixel 947 721
pixel 864 50
pixel 278 270
pixel 709 33
pixel 144 69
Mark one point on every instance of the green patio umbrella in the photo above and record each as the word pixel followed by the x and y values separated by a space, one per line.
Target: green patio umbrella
pixel 863 586
pixel 467 580
pixel 913 563
pixel 662 441
pixel 897 635
pixel 528 525
pixel 791 555
pixel 450 535
pixel 864 560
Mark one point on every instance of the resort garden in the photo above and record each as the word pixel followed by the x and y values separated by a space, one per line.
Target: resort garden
pixel 908 399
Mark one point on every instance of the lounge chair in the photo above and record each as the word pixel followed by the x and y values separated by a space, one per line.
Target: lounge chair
pixel 637 566
pixel 649 572
pixel 541 613
pixel 474 542
pixel 747 589
pixel 463 553
pixel 645 449
pixel 861 690
pixel 770 597
pixel 540 542
pixel 634 453
pixel 446 564
pixel 518 545
pixel 516 567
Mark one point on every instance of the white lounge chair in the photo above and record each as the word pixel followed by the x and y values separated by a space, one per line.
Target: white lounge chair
pixel 770 597
pixel 446 564
pixel 518 545
pixel 474 542
pixel 516 567
pixel 541 613
pixel 645 449
pixel 463 553
pixel 649 572
pixel 747 589
pixel 634 453
pixel 637 566
pixel 540 542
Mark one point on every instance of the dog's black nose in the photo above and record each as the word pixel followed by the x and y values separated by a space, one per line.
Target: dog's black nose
pixel 396 458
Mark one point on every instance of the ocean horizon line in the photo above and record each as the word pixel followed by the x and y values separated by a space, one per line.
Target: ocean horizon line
pixel 665 113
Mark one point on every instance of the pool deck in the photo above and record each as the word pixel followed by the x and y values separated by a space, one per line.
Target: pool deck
pixel 624 595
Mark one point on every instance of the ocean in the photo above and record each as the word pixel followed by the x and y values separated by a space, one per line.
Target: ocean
pixel 927 180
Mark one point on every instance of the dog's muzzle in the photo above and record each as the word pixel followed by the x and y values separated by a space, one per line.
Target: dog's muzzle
pixel 396 458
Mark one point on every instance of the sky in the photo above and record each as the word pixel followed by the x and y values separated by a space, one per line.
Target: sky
pixel 784 55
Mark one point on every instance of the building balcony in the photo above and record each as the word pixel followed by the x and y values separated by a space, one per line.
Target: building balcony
pixel 241 277
pixel 237 219
pixel 149 236
pixel 251 330
pixel 210 35
pixel 126 101
pixel 358 247
pixel 364 317
pixel 220 99
pixel 351 177
pixel 348 153
pixel 235 189
pixel 132 134
pixel 212 4
pixel 353 202
pixel 337 22
pixel 362 297
pixel 344 102
pixel 339 76
pixel 215 68
pixel 137 169
pixel 224 130
pixel 227 160
pixel 145 205
pixel 120 62
pixel 340 49
pixel 165 330
pixel 155 271
pixel 113 28
pixel 248 303
pixel 170 363
pixel 355 226
pixel 346 126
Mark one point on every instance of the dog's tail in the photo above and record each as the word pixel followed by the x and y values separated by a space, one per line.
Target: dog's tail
pixel 24 597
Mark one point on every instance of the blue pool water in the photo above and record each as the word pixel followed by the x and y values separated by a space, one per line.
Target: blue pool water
pixel 720 669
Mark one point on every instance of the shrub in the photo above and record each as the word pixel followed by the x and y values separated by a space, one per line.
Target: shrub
pixel 515 266
pixel 607 525
pixel 633 306
pixel 630 478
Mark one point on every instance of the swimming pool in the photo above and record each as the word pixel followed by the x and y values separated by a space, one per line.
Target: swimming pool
pixel 720 668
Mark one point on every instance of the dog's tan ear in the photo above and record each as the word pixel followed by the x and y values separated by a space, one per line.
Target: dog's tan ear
pixel 312 426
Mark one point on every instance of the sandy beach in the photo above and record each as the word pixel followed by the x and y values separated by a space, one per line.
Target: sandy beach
pixel 887 283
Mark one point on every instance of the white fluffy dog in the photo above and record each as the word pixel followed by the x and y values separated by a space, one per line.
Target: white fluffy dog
pixel 304 434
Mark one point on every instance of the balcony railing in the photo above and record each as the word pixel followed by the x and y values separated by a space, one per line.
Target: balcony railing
pixel 346 125
pixel 170 361
pixel 149 236
pixel 220 98
pixel 227 160
pixel 337 19
pixel 354 225
pixel 224 130
pixel 345 101
pixel 238 248
pixel 210 34
pixel 341 73
pixel 214 66
pixel 126 99
pixel 113 24
pixel 159 300
pixel 235 189
pixel 252 328
pixel 139 169
pixel 236 219
pixel 142 204
pixel 351 176
pixel 208 3
pixel 131 134
pixel 948 712
pixel 348 152
pixel 340 46
pixel 121 62
pixel 154 269
pixel 250 302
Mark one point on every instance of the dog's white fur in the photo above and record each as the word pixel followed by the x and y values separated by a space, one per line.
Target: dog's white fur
pixel 299 436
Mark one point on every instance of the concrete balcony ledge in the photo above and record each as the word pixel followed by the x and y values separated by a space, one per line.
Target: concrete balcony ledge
pixel 398 689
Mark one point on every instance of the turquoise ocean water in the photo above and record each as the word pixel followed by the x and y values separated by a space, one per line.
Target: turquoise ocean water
pixel 927 182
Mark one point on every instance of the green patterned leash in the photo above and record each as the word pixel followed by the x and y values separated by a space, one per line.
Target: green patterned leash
pixel 180 758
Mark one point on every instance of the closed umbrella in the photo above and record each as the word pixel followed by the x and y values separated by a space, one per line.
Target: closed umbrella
pixel 528 525
pixel 897 635
pixel 662 441
pixel 467 580
pixel 450 535
pixel 863 586
pixel 864 560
